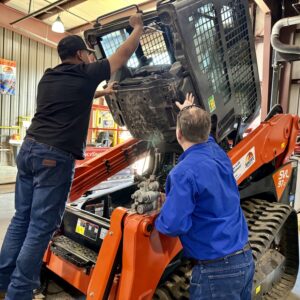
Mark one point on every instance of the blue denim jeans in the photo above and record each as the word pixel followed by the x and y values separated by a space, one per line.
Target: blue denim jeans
pixel 43 183
pixel 228 279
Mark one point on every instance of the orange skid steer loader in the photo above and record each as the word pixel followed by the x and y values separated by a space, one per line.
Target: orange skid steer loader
pixel 107 246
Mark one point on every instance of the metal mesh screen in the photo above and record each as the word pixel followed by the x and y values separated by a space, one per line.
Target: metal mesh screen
pixel 239 55
pixel 152 44
pixel 209 51
pixel 228 66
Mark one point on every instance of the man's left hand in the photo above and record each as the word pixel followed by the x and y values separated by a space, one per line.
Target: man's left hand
pixel 110 88
pixel 189 100
pixel 107 91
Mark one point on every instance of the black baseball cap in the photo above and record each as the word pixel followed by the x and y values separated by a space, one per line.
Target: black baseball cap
pixel 69 45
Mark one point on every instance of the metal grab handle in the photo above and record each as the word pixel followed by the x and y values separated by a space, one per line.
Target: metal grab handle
pixel 97 24
pixel 163 1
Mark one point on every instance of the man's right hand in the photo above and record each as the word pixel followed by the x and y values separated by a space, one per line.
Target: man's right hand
pixel 136 20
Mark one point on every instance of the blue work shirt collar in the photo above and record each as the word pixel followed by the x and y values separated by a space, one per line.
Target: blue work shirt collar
pixel 195 147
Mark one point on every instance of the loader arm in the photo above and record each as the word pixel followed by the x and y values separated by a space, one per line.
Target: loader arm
pixel 271 140
pixel 275 138
pixel 106 165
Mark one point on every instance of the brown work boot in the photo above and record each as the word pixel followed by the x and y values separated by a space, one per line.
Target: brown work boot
pixel 2 295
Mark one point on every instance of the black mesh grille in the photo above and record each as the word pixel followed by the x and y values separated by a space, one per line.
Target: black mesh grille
pixel 209 51
pixel 239 55
pixel 211 54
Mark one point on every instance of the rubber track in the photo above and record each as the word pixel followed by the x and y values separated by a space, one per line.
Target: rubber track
pixel 265 220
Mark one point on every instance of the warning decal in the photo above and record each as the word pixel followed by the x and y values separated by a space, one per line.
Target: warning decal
pixel 87 229
pixel 244 163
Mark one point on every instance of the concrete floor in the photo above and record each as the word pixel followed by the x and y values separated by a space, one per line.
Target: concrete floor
pixel 7 175
pixel 57 292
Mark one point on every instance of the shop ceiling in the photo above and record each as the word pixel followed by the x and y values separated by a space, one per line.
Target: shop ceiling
pixel 34 18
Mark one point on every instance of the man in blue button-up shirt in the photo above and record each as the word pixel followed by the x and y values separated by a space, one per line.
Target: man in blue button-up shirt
pixel 203 209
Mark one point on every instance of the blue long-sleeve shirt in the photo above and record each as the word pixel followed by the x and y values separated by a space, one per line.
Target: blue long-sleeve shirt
pixel 202 204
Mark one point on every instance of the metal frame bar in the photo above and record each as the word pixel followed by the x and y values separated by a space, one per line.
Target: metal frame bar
pixel 285 83
pixel 267 57
pixel 39 11
pixel 56 10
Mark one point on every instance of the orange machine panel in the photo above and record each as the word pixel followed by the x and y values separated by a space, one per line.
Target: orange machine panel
pixel 70 273
pixel 146 254
pixel 98 285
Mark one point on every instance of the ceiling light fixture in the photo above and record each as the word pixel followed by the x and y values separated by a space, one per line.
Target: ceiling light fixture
pixel 58 26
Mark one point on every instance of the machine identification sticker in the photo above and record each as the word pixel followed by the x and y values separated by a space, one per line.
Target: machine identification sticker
pixel 87 229
pixel 281 178
pixel 211 103
pixel 244 163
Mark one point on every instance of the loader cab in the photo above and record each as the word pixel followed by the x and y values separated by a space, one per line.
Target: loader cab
pixel 187 46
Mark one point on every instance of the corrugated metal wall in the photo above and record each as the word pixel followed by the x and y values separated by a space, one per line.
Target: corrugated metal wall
pixel 32 59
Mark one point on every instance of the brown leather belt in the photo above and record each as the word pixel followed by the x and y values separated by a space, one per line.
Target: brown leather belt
pixel 247 247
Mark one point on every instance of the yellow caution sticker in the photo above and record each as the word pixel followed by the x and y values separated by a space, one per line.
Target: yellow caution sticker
pixel 87 229
pixel 211 103
pixel 80 227
pixel 257 290
pixel 282 145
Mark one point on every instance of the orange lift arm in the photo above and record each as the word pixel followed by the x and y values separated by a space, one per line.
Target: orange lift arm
pixel 104 166
pixel 271 140
pixel 145 255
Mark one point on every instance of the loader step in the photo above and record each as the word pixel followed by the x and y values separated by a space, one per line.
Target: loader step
pixel 73 252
